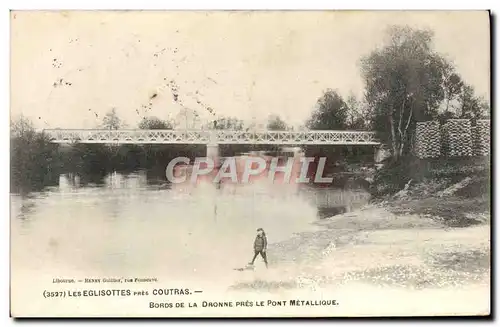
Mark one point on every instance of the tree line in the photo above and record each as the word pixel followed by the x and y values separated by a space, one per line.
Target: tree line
pixel 406 81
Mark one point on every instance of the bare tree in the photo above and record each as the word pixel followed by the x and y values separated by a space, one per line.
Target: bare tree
pixel 111 120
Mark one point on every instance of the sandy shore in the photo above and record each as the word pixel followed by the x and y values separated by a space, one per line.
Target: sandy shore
pixel 417 264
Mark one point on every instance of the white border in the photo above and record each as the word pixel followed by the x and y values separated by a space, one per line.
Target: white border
pixel 255 5
pixel 179 5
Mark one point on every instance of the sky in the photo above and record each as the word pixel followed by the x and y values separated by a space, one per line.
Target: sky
pixel 69 68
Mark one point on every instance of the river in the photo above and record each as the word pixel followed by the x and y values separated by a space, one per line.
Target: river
pixel 128 224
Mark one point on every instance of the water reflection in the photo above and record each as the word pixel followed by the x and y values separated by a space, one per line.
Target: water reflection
pixel 73 181
pixel 140 223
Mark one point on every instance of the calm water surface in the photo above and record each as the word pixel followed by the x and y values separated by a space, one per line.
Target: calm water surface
pixel 130 224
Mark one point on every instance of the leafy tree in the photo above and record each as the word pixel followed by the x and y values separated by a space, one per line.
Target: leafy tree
pixel 34 161
pixel 154 123
pixel 471 106
pixel 460 99
pixel 452 86
pixel 356 114
pixel 275 123
pixel 485 109
pixel 227 123
pixel 330 112
pixel 403 85
pixel 111 120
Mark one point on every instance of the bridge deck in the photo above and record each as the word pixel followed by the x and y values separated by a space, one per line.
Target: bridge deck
pixel 139 136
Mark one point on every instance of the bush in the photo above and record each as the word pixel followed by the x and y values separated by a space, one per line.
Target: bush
pixel 393 176
pixel 34 162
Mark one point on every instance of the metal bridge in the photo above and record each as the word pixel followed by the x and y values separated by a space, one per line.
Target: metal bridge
pixel 142 136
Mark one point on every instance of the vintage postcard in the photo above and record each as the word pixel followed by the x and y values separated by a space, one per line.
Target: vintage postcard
pixel 250 163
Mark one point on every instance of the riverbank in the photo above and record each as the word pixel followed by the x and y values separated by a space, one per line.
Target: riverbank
pixel 401 251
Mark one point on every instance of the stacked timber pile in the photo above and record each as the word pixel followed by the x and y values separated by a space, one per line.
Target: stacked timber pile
pixel 482 138
pixel 455 138
pixel 445 147
pixel 475 140
pixel 458 138
pixel 428 140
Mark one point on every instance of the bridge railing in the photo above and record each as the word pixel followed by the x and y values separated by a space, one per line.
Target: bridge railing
pixel 139 136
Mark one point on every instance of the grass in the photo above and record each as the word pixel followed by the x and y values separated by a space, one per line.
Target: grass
pixel 451 211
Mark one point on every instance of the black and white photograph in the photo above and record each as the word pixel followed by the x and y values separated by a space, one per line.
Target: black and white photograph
pixel 250 163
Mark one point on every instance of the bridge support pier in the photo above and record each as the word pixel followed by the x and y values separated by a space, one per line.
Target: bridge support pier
pixel 213 153
pixel 213 148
